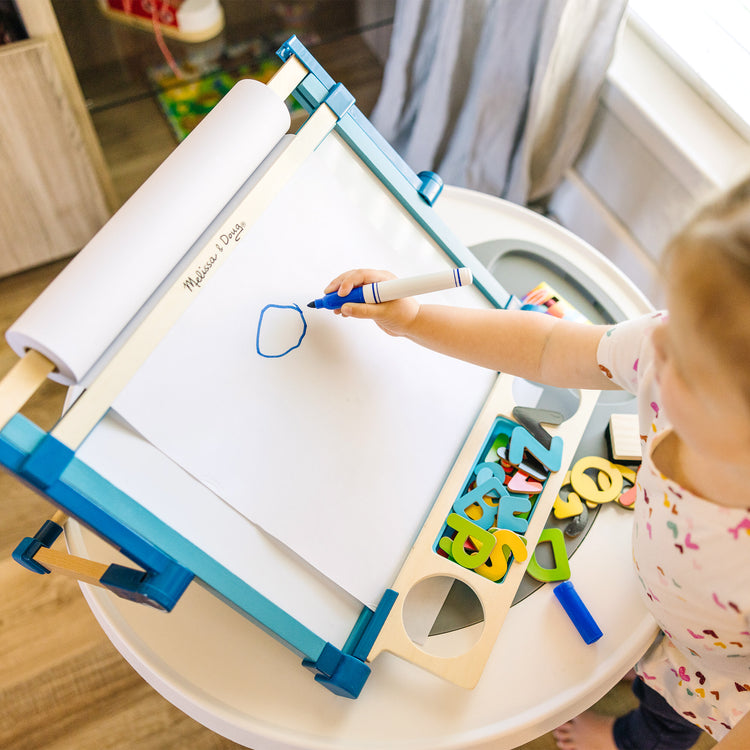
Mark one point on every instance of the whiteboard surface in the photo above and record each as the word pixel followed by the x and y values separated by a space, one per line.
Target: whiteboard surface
pixel 339 447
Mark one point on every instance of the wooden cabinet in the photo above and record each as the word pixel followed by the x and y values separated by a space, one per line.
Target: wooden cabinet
pixel 82 123
pixel 55 191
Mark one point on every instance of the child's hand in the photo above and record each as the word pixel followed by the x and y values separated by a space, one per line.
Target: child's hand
pixel 393 317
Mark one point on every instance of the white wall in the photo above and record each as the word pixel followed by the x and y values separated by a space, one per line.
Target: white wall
pixel 656 150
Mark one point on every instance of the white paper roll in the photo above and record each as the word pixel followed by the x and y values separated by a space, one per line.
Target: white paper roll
pixel 82 311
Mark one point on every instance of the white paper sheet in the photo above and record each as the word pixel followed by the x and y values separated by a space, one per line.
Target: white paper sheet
pixel 339 447
pixel 241 547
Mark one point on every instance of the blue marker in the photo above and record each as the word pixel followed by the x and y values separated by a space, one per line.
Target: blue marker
pixel 577 612
pixel 386 291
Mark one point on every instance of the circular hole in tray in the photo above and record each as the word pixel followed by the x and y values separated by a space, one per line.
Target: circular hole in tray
pixel 427 620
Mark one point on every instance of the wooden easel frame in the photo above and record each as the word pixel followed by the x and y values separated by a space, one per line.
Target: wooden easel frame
pixel 48 462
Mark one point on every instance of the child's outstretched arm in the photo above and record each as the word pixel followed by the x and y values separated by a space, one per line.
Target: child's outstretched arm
pixel 532 345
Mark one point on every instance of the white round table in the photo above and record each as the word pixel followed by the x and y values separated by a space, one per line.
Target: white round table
pixel 226 673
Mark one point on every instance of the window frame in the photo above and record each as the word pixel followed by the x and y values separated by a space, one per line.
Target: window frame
pixel 700 49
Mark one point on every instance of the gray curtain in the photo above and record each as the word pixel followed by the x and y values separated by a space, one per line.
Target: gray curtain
pixel 495 95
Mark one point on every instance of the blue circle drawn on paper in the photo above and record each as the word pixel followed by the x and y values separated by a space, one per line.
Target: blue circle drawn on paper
pixel 260 325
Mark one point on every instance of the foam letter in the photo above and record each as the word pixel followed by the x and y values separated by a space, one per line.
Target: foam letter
pixel 521 439
pixel 587 488
pixel 570 506
pixel 489 512
pixel 507 511
pixel 466 531
pixel 561 569
pixel 497 565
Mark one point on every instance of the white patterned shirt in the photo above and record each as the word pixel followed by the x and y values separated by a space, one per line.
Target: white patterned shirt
pixel 692 557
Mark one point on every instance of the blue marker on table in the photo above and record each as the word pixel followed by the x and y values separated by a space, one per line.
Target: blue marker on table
pixel 387 291
pixel 577 612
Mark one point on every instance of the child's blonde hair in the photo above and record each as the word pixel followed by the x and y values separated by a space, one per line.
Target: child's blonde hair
pixel 709 260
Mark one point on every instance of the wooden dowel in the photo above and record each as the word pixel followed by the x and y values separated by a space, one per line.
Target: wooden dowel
pixel 287 77
pixel 21 382
pixel 71 566
pixel 60 517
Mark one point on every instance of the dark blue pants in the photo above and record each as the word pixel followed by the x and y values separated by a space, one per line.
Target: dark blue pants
pixel 654 725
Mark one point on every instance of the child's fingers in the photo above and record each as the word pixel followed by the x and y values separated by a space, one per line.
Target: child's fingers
pixel 379 313
pixel 353 310
pixel 385 314
pixel 348 280
pixel 392 317
pixel 335 283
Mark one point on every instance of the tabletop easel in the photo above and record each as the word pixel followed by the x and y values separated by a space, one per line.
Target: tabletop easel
pixel 167 562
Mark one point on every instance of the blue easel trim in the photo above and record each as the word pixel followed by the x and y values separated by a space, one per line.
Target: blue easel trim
pixel 339 100
pixel 375 625
pixel 348 679
pixel 113 515
pixel 47 462
pixel 341 673
pixel 380 157
pixel 359 628
pixel 293 47
pixel 344 672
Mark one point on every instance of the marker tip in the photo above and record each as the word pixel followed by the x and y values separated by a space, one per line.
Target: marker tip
pixel 311 304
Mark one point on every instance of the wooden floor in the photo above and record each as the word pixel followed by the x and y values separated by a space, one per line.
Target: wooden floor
pixel 63 686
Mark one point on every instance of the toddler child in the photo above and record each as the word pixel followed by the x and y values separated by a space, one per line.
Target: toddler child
pixel 690 368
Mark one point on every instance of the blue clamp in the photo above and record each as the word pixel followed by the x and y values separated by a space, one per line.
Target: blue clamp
pixel 24 553
pixel 344 672
pixel 431 186
pixel 160 589
pixel 341 673
pixel 339 100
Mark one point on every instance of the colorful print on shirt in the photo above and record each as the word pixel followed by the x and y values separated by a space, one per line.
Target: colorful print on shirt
pixel 692 558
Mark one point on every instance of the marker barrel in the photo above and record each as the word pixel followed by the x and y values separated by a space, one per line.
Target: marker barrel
pixel 386 291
